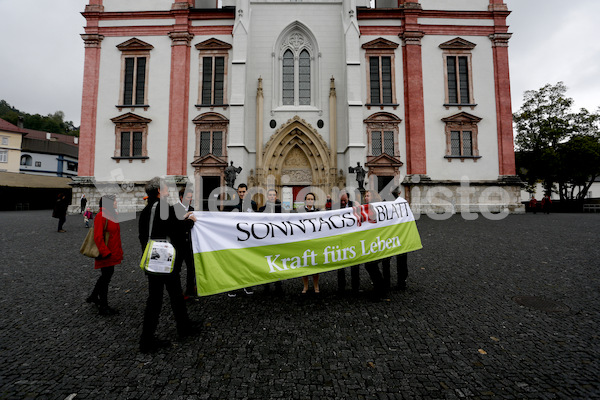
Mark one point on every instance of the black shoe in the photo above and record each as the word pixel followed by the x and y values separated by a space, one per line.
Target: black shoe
pixel 377 296
pixel 106 310
pixel 153 345
pixel 94 300
pixel 192 328
pixel 278 288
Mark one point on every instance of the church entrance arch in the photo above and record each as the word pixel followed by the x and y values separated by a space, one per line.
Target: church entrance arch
pixel 297 157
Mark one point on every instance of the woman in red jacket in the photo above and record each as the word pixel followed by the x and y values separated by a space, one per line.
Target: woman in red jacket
pixel 111 252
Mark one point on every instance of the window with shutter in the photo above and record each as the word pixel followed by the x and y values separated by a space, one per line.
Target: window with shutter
pixel 212 91
pixel 376 143
pixel 125 144
pixel 461 136
pixel 388 143
pixel 211 135
pixel 380 55
pixel 131 133
pixel 458 74
pixel 135 55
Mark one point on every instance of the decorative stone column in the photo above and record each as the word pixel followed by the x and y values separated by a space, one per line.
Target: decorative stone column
pixel 506 152
pixel 259 132
pixel 414 103
pixel 89 104
pixel 332 133
pixel 497 5
pixel 178 102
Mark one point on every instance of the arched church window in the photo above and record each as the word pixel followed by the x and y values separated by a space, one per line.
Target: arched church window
pixel 304 78
pixel 288 78
pixel 296 70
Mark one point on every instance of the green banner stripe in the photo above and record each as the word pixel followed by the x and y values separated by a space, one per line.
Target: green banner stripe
pixel 231 269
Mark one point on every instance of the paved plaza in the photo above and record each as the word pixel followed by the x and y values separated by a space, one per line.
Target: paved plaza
pixel 464 328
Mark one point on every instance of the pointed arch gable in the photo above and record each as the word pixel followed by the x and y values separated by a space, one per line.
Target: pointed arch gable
pixel 280 44
pixel 286 133
pixel 297 133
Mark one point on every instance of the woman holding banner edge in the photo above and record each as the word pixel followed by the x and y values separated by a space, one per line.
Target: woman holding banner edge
pixel 380 290
pixel 309 206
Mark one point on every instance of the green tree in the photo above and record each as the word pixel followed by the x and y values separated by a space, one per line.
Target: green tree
pixel 579 166
pixel 551 140
pixel 544 119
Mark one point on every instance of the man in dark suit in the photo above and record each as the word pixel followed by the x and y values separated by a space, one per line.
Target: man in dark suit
pixel 273 205
pixel 181 209
pixel 244 206
pixel 249 205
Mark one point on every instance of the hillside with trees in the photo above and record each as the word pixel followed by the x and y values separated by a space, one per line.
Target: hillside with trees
pixel 53 123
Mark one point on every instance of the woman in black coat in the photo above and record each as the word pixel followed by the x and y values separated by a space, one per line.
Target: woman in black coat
pixel 309 206
pixel 174 229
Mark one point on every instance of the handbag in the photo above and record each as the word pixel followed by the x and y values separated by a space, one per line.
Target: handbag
pixel 159 254
pixel 88 247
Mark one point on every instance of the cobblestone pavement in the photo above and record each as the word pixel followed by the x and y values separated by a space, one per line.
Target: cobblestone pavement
pixel 456 332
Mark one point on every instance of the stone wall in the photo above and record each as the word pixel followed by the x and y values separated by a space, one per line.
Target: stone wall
pixel 130 195
pixel 450 197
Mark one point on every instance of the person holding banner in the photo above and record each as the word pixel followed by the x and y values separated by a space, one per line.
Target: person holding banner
pixel 183 207
pixel 241 191
pixel 401 261
pixel 111 252
pixel 309 206
pixel 355 269
pixel 273 205
pixel 379 291
pixel 162 228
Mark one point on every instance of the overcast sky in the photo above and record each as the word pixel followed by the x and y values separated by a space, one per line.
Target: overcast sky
pixel 41 52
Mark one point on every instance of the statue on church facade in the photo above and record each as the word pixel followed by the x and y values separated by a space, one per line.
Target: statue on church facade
pixel 360 174
pixel 231 173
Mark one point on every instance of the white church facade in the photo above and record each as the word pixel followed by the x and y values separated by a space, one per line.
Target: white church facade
pixel 298 92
